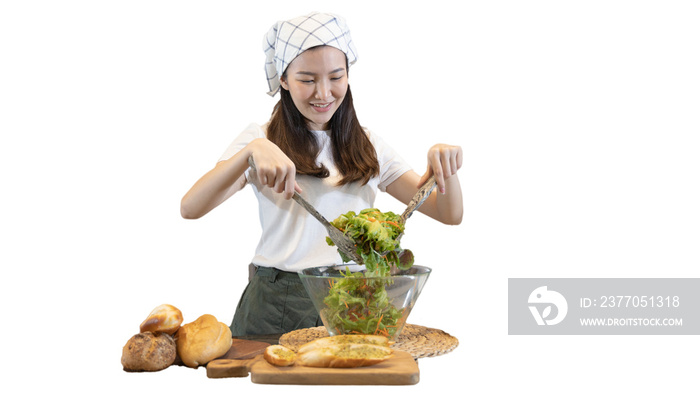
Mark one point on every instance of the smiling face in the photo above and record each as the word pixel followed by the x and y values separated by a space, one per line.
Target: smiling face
pixel 317 81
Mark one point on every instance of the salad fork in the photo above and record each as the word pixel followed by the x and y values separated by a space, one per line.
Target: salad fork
pixel 345 244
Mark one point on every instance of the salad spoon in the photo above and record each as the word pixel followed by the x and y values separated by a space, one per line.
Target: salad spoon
pixel 417 200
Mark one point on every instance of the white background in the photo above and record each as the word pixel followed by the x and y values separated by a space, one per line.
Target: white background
pixel 579 123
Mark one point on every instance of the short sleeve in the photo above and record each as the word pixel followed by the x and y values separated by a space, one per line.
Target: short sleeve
pixel 252 131
pixel 391 165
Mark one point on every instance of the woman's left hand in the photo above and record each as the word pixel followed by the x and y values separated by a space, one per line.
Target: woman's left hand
pixel 443 161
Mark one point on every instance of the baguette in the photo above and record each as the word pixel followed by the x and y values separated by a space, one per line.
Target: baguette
pixel 279 355
pixel 345 339
pixel 344 355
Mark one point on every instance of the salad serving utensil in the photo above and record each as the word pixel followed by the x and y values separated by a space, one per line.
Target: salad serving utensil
pixel 344 243
pixel 419 198
pixel 415 202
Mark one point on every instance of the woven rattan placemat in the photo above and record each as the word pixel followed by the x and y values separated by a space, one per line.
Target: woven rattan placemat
pixel 419 341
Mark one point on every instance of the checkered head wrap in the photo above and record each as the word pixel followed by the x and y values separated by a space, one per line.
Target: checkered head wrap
pixel 288 39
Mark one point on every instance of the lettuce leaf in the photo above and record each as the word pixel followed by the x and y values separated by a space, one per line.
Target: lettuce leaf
pixel 376 238
pixel 358 302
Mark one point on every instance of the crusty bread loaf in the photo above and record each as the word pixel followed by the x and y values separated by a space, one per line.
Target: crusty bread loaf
pixel 203 340
pixel 344 355
pixel 148 352
pixel 345 339
pixel 164 318
pixel 279 355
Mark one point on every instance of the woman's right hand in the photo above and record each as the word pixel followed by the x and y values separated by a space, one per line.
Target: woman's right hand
pixel 274 169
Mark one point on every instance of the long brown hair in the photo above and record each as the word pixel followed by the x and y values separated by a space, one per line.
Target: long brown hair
pixel 353 152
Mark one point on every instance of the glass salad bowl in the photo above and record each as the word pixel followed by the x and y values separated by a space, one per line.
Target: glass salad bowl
pixel 351 300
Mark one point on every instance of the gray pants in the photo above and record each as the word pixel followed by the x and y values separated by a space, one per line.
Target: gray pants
pixel 274 302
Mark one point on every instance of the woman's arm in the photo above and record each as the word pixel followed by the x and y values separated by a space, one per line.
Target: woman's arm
pixel 445 203
pixel 274 170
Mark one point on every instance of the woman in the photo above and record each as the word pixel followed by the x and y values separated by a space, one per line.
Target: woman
pixel 313 144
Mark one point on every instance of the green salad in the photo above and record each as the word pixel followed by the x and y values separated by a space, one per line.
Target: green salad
pixel 358 303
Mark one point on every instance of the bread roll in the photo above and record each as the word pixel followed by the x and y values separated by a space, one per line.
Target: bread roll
pixel 344 355
pixel 279 355
pixel 164 318
pixel 345 339
pixel 148 352
pixel 203 340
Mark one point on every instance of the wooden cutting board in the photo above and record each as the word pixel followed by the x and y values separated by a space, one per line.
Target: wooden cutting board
pixel 245 349
pixel 400 369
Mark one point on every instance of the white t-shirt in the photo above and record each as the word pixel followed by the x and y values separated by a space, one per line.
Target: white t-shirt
pixel 292 239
